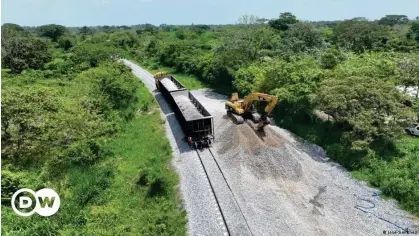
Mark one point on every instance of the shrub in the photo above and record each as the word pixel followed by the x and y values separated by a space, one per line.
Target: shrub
pixel 10 183
pixel 94 54
pixel 66 43
pixel 25 53
pixel 155 181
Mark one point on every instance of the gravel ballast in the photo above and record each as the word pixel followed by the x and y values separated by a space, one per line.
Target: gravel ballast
pixel 189 111
pixel 168 84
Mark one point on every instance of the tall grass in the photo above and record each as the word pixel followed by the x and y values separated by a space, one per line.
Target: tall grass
pixel 142 198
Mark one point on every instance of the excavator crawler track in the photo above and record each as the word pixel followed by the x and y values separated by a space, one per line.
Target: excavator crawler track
pixel 236 118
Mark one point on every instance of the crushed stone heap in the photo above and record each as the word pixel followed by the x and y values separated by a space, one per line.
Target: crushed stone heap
pixel 168 84
pixel 187 107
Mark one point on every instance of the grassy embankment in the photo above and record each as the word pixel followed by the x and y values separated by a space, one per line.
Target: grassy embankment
pixel 142 198
pixel 132 191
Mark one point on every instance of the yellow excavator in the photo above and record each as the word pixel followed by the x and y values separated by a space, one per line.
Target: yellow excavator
pixel 157 76
pixel 241 109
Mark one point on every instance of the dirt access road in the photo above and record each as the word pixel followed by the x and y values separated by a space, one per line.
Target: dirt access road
pixel 275 183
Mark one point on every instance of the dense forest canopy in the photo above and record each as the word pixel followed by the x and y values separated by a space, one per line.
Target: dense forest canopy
pixel 64 94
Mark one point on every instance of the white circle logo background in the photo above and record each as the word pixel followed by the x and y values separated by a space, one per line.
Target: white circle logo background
pixel 47 193
pixel 43 194
pixel 14 200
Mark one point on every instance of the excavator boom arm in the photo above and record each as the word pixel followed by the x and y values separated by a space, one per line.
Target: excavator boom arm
pixel 270 99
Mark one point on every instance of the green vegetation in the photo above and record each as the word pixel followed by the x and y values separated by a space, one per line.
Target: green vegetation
pixel 22 53
pixel 77 121
pixel 397 177
pixel 141 200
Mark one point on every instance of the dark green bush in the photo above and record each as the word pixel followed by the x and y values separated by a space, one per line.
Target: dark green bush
pixel 10 183
pixel 153 180
pixel 20 53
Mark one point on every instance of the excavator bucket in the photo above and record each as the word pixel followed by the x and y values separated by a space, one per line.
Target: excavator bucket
pixel 260 126
pixel 256 126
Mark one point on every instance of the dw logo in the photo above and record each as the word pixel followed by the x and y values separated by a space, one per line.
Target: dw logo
pixel 47 202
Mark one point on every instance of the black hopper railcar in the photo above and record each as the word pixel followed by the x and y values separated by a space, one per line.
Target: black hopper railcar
pixel 196 122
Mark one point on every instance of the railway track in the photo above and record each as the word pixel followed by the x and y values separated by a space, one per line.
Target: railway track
pixel 214 192
pixel 210 202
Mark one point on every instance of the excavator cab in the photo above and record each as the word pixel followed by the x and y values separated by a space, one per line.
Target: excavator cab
pixel 158 76
pixel 234 97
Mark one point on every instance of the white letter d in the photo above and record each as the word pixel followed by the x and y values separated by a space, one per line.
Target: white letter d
pixel 25 202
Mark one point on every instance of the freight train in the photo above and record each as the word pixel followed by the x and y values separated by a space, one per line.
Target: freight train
pixel 196 122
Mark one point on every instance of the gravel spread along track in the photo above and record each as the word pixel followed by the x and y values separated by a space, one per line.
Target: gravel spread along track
pixel 187 107
pixel 283 185
pixel 168 84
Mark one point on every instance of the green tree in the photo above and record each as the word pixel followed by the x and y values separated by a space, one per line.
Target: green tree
pixel 284 21
pixel 52 31
pixel 86 30
pixel 293 82
pixel 26 122
pixel 111 87
pixel 301 37
pixel 380 65
pixel 360 36
pixel 414 31
pixel 409 76
pixel 331 58
pixel 246 80
pixel 121 90
pixel 246 42
pixel 9 31
pixel 124 39
pixel 180 34
pixel 22 53
pixel 100 37
pixel 66 42
pixel 370 110
pixel 200 29
pixel 147 28
pixel 392 20
pixel 93 54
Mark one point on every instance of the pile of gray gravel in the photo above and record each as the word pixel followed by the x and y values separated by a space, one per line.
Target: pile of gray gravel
pixel 287 187
pixel 187 107
pixel 259 152
pixel 168 84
